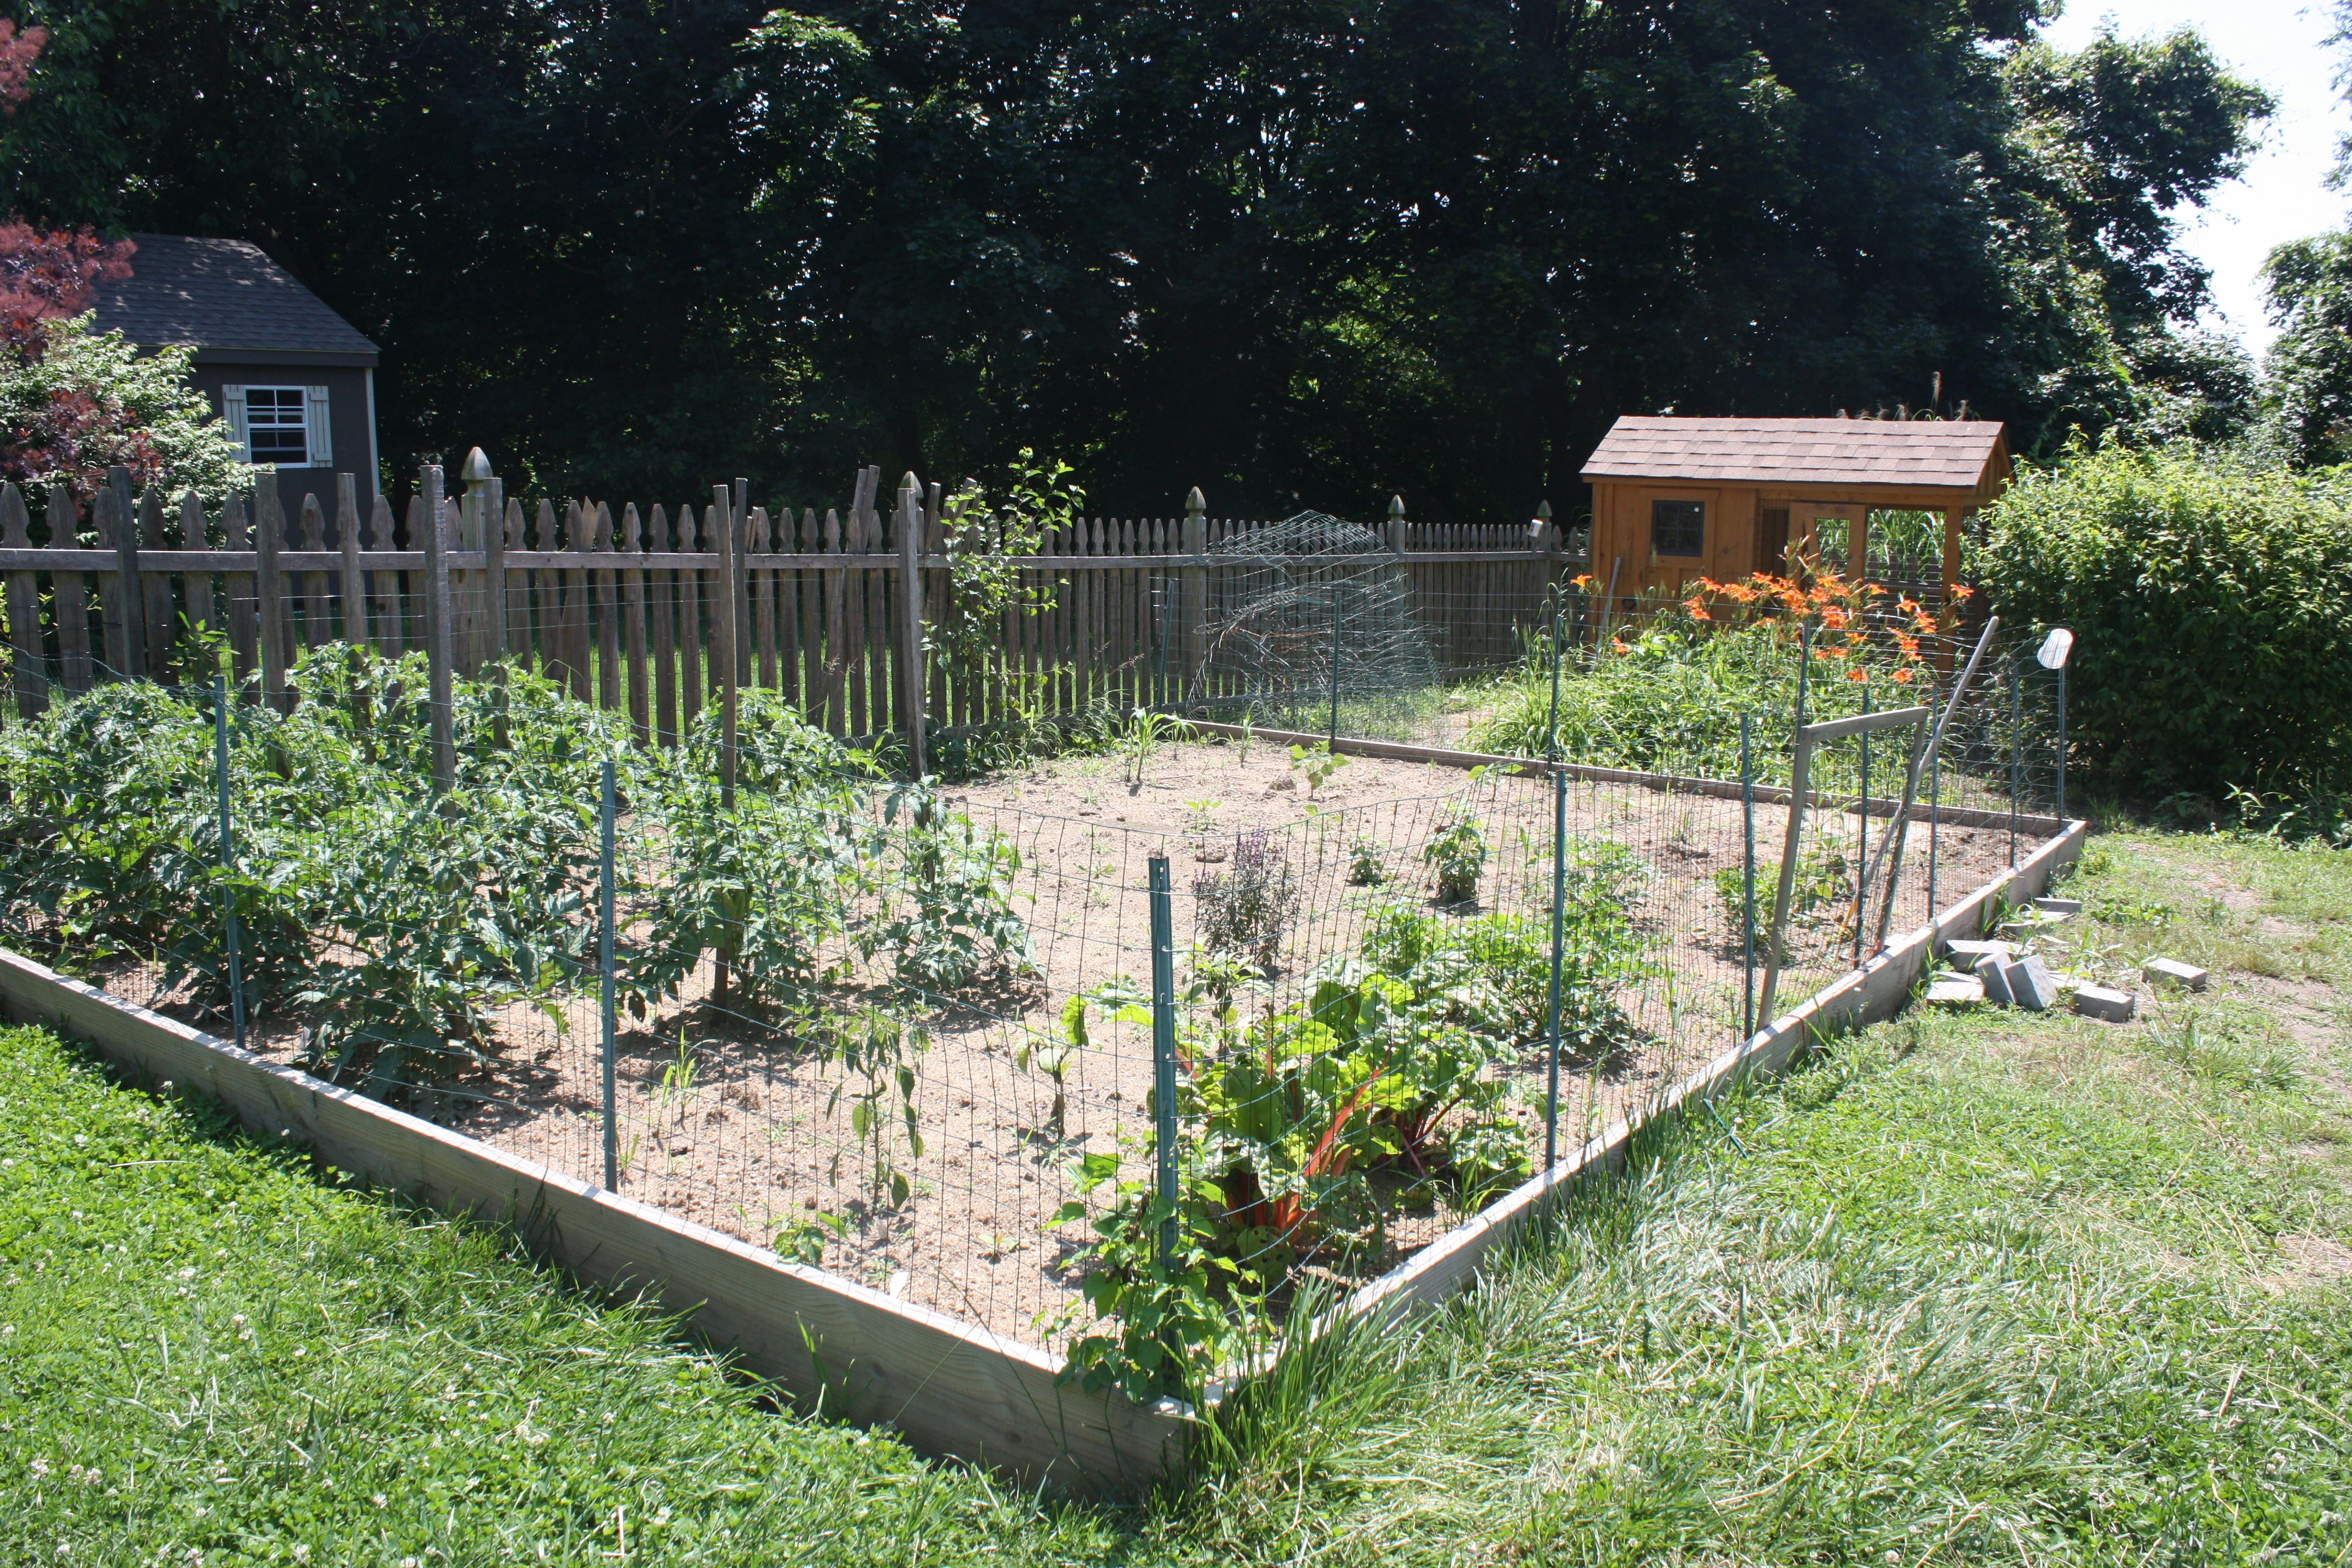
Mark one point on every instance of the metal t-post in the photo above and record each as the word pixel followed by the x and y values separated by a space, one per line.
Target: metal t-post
pixel 1804 670
pixel 1331 742
pixel 2061 742
pixel 1747 875
pixel 1163 1049
pixel 1551 722
pixel 1862 852
pixel 228 862
pixel 1558 912
pixel 605 969
pixel 2016 750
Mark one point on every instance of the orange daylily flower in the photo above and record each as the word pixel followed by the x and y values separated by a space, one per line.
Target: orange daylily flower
pixel 1902 678
pixel 1857 675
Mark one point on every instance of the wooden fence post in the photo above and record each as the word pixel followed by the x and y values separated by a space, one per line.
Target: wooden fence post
pixel 269 589
pixel 1395 529
pixel 23 608
pixel 910 620
pixel 438 613
pixel 481 521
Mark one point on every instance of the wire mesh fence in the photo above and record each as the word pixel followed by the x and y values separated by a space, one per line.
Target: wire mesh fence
pixel 969 1051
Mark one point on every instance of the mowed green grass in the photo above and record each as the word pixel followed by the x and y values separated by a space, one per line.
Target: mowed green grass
pixel 1984 1288
pixel 211 1352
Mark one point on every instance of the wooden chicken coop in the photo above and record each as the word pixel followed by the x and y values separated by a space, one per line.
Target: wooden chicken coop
pixel 1676 498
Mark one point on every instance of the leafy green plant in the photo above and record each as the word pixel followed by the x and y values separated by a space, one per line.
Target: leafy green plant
pixel 2212 607
pixel 1824 883
pixel 1368 862
pixel 804 1238
pixel 1315 764
pixel 949 919
pixel 1457 852
pixel 878 1055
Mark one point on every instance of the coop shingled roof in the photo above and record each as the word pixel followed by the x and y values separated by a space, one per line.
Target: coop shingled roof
pixel 1953 453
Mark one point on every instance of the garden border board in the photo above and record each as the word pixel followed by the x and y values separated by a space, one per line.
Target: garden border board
pixel 952 1389
pixel 1878 990
pixel 2040 826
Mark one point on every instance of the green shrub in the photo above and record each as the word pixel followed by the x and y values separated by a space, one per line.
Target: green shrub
pixel 2211 605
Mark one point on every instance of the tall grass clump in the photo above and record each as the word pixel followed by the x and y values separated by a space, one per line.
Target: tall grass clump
pixel 2212 604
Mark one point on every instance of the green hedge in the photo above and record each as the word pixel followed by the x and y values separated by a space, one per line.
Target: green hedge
pixel 2213 609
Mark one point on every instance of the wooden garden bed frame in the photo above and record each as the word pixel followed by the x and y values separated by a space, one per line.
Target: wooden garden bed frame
pixel 952 1389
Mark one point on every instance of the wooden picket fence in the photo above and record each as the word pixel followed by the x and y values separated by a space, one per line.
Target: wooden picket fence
pixel 627 611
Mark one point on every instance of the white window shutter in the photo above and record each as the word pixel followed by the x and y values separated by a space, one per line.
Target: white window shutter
pixel 323 443
pixel 233 411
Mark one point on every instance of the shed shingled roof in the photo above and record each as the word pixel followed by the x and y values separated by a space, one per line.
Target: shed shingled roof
pixel 1951 454
pixel 219 294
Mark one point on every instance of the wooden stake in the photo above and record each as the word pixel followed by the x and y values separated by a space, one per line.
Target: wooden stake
pixel 910 626
pixel 726 637
pixel 633 622
pixel 156 588
pixel 665 638
pixel 438 614
pixel 269 590
pixel 241 589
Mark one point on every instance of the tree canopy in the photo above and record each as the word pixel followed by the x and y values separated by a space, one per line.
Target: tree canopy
pixel 1292 251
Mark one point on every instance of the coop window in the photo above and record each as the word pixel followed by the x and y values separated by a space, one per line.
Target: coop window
pixel 1677 528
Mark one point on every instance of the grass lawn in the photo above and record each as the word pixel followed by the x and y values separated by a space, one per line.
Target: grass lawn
pixel 1975 1288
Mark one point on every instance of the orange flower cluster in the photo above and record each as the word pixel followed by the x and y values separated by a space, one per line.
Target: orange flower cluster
pixel 1834 603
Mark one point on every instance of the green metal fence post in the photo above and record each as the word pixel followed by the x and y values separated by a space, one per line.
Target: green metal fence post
pixel 1332 742
pixel 2016 749
pixel 1551 1006
pixel 1748 874
pixel 2061 742
pixel 1804 671
pixel 1551 724
pixel 605 967
pixel 1163 1049
pixel 1861 855
pixel 228 863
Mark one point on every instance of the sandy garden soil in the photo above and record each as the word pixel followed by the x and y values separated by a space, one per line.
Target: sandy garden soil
pixel 734 1124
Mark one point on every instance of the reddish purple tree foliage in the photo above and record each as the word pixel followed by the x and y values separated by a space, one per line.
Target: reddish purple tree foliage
pixel 18 53
pixel 46 274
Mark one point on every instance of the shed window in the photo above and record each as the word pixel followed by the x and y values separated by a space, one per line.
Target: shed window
pixel 278 425
pixel 287 425
pixel 1677 528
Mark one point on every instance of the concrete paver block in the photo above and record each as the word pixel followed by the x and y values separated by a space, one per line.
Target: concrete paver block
pixel 2099 1002
pixel 1994 978
pixel 2059 907
pixel 2172 971
pixel 2031 984
pixel 1966 950
pixel 1955 991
